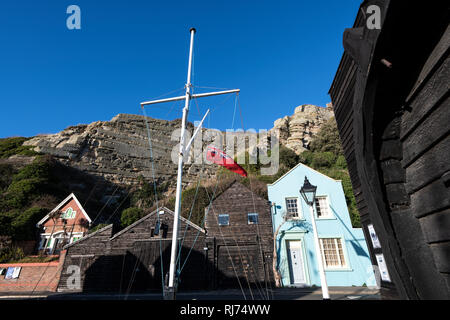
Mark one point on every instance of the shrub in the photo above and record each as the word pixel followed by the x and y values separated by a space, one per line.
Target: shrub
pixel 341 162
pixel 30 182
pixel 323 159
pixel 13 146
pixel 130 216
pixel 6 174
pixel 11 254
pixel 24 224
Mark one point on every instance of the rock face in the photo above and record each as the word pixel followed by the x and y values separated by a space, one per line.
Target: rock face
pixel 296 131
pixel 118 150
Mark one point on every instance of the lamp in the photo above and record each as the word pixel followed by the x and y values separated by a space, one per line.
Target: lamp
pixel 308 192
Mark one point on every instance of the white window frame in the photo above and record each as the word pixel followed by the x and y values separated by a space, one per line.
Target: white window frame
pixel 299 209
pixel 330 213
pixel 218 219
pixel 346 266
pixel 254 214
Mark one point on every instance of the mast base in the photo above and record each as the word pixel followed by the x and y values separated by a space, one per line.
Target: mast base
pixel 170 293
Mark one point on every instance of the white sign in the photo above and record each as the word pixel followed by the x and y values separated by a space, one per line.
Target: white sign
pixel 16 272
pixel 383 268
pixel 13 272
pixel 375 242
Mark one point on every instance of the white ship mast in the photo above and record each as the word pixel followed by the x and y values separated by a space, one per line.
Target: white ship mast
pixel 184 149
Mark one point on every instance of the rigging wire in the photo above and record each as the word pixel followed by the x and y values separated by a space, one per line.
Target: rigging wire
pixel 240 255
pixel 156 195
pixel 253 200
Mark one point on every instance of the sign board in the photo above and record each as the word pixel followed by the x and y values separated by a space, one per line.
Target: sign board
pixel 12 272
pixel 373 236
pixel 383 268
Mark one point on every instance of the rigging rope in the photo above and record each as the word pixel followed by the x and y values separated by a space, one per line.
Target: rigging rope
pixel 156 196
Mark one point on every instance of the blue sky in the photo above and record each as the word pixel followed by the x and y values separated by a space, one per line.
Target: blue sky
pixel 281 54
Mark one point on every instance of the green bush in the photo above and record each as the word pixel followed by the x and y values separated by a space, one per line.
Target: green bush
pixel 327 139
pixel 144 196
pixel 341 162
pixel 30 182
pixel 130 216
pixel 24 224
pixel 11 254
pixel 13 146
pixel 323 159
pixel 6 175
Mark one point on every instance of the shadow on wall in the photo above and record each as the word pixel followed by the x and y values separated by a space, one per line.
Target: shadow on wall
pixel 141 270
pixel 355 242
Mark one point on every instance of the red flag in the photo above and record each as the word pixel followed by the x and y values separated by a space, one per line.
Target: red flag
pixel 222 159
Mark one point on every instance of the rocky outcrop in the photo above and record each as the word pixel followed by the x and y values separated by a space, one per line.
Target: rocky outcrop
pixel 297 131
pixel 118 150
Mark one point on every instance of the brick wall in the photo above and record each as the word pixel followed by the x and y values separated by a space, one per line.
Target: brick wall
pixel 37 277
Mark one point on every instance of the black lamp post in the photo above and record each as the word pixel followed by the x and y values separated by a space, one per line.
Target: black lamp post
pixel 308 192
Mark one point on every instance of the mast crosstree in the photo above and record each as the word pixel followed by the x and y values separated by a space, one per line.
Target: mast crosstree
pixel 184 148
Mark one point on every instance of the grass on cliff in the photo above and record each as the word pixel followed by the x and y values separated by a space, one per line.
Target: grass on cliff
pixel 14 146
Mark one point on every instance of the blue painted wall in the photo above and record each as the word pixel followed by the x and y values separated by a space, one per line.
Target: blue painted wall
pixel 359 268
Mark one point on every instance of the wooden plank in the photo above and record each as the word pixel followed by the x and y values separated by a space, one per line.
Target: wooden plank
pixel 432 92
pixel 434 127
pixel 436 227
pixel 433 60
pixel 431 198
pixel 429 167
pixel 441 253
pixel 392 171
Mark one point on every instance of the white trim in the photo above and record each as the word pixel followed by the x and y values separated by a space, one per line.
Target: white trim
pixel 152 213
pixel 299 209
pixel 284 175
pixel 346 266
pixel 331 215
pixel 62 203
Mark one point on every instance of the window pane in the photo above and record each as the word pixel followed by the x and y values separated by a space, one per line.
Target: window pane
pixel 292 207
pixel 322 207
pixel 332 252
pixel 252 218
pixel 224 219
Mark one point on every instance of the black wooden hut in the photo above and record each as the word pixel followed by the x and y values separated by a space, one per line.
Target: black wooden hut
pixel 136 259
pixel 241 224
pixel 391 102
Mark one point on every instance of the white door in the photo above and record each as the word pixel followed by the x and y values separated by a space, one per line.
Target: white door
pixel 296 262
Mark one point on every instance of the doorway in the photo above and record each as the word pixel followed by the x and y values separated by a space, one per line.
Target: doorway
pixel 297 273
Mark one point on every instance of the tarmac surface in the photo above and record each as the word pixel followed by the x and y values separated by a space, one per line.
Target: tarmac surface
pixel 336 293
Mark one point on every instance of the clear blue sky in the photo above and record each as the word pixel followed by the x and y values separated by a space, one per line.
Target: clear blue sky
pixel 279 53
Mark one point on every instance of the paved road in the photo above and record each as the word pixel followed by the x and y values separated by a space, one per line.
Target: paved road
pixel 336 293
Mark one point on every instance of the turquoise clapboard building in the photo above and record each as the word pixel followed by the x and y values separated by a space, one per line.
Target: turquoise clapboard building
pixel 345 253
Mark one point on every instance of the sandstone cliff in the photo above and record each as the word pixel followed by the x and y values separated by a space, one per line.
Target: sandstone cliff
pixel 118 150
pixel 296 131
